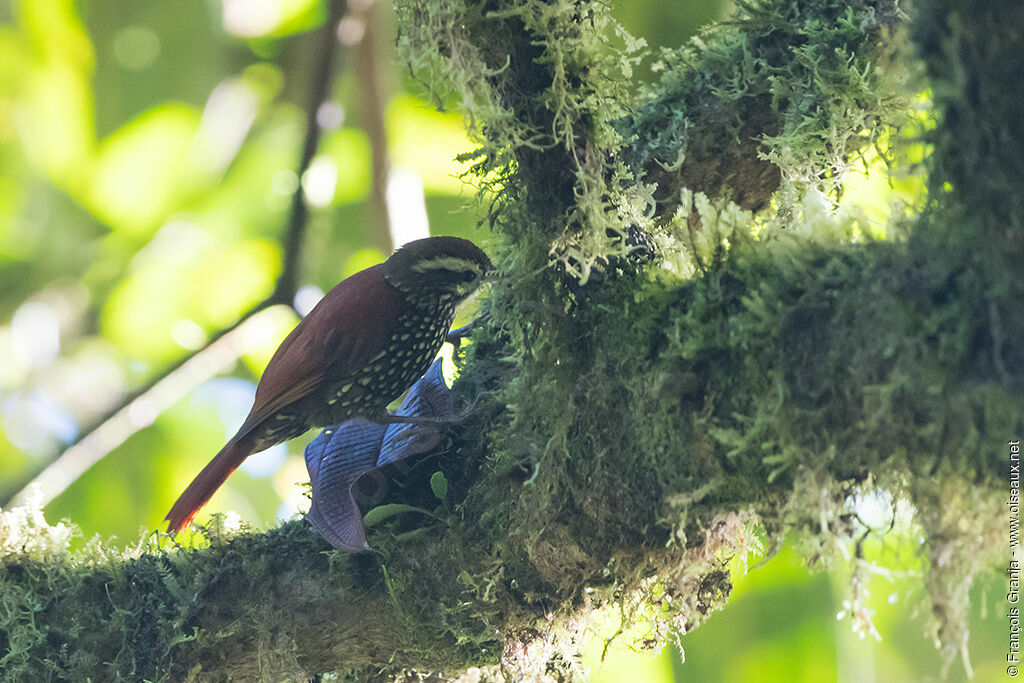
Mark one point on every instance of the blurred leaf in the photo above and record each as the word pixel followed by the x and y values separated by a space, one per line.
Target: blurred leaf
pixel 54 113
pixel 881 194
pixel 427 141
pixel 622 661
pixel 13 462
pixel 245 203
pixel 275 324
pixel 235 278
pixel 55 30
pixel 11 247
pixel 142 169
pixel 349 148
pixel 271 18
pixel 669 25
pixel 202 282
pixel 14 55
pixel 265 79
pixel 361 260
pixel 138 321
pixel 55 120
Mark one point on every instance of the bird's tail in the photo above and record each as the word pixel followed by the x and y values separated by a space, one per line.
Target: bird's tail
pixel 206 484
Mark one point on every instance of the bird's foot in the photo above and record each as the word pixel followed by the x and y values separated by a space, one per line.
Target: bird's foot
pixel 432 420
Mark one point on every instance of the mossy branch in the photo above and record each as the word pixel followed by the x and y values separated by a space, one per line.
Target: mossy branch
pixel 634 424
pixel 812 391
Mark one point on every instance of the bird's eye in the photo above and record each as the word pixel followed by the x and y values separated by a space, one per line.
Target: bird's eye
pixel 460 277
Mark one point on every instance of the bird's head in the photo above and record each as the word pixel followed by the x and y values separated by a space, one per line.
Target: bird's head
pixel 441 265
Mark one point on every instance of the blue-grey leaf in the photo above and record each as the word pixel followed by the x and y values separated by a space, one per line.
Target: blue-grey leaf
pixel 340 455
pixel 335 459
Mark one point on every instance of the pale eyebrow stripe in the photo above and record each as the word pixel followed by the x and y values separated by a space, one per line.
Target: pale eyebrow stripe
pixel 446 263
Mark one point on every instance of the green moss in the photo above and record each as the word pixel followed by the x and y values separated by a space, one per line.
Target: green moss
pixel 786 99
pixel 799 365
pixel 794 357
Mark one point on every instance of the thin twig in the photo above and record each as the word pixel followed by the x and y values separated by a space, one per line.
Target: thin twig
pixel 18 492
pixel 295 234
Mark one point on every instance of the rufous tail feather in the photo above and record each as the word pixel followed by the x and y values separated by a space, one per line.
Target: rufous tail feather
pixel 205 485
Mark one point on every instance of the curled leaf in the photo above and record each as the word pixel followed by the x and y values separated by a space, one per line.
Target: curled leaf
pixel 340 455
pixel 383 512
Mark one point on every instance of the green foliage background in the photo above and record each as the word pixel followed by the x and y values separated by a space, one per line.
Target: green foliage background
pixel 146 168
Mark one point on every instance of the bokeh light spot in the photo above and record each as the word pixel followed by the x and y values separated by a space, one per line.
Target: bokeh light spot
pixel 136 47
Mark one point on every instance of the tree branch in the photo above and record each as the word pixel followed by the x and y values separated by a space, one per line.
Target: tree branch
pixel 462 593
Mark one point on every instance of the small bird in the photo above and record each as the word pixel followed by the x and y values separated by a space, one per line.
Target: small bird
pixel 367 341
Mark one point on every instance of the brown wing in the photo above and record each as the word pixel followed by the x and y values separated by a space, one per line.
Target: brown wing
pixel 343 332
